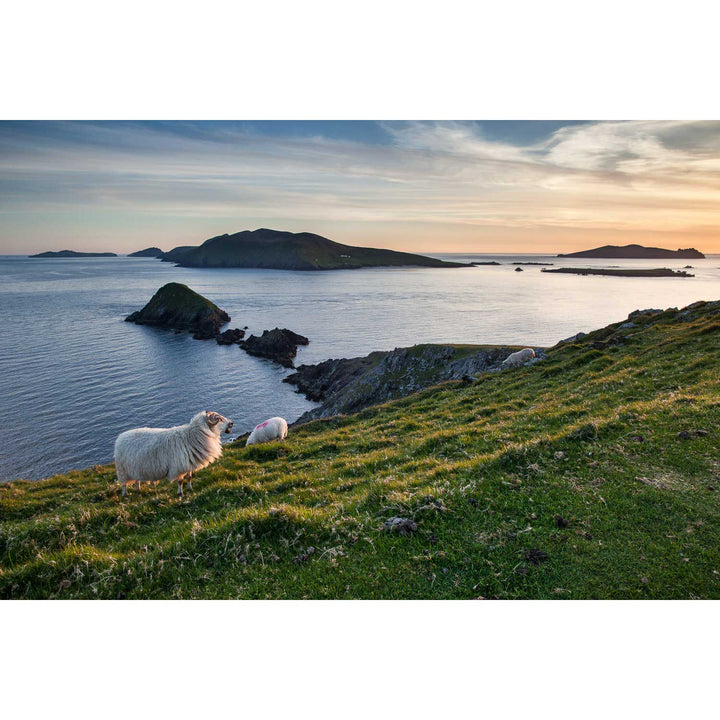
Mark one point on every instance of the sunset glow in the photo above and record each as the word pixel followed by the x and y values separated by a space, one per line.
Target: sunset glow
pixel 420 186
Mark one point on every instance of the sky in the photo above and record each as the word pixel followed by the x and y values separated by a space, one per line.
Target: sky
pixel 422 186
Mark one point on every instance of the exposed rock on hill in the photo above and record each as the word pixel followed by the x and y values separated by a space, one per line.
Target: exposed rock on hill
pixel 349 385
pixel 277 345
pixel 177 307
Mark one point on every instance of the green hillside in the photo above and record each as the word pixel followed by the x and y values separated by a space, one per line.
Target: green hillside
pixel 280 250
pixel 591 474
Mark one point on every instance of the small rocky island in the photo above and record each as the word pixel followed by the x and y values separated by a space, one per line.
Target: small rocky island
pixel 349 385
pixel 635 251
pixel 153 252
pixel 176 307
pixel 71 254
pixel 278 345
pixel 265 248
pixel 639 272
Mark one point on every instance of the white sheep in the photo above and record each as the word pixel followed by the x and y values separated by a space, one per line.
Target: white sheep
pixel 151 454
pixel 273 429
pixel 519 358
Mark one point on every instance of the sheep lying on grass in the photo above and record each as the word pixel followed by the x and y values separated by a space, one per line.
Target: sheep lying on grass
pixel 151 454
pixel 519 358
pixel 273 429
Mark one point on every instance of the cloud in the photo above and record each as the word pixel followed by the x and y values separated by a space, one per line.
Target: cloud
pixel 630 176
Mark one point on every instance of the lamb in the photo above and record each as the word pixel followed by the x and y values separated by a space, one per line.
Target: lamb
pixel 519 358
pixel 273 429
pixel 151 454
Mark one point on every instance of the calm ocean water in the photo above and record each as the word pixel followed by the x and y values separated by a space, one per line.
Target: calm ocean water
pixel 73 375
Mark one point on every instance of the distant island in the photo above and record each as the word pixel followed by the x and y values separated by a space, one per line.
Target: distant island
pixel 635 251
pixel 70 254
pixel 627 272
pixel 148 252
pixel 265 248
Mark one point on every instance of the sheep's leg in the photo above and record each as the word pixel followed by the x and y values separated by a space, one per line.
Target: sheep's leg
pixel 189 480
pixel 137 485
pixel 180 484
pixel 124 490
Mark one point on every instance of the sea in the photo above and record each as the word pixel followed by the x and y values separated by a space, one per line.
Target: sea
pixel 73 375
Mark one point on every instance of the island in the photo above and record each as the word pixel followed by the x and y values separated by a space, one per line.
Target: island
pixel 279 250
pixel 152 252
pixel 176 307
pixel 639 272
pixel 635 251
pixel 71 254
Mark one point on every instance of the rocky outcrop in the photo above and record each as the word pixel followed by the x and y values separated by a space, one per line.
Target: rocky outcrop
pixel 177 307
pixel 278 345
pixel 349 385
pixel 639 272
pixel 230 337
pixel 148 252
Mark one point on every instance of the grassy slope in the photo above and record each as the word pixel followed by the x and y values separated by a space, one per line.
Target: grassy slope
pixel 484 470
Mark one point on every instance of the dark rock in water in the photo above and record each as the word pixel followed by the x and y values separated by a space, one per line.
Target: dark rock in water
pixel 489 262
pixel 148 252
pixel 351 384
pixel 177 307
pixel 277 345
pixel 637 272
pixel 230 337
pixel 518 269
